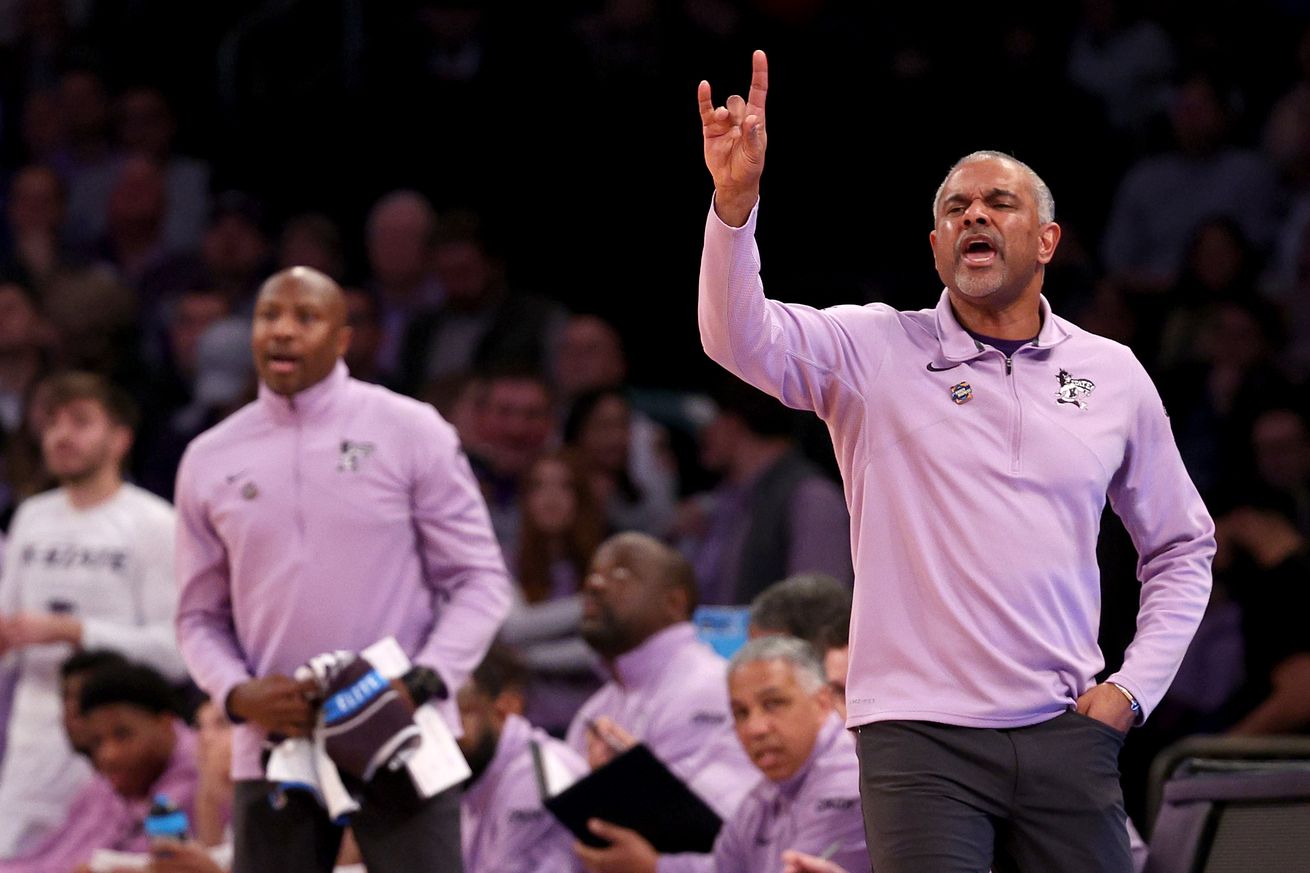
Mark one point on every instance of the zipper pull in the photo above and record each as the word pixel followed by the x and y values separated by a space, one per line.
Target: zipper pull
pixel 1009 365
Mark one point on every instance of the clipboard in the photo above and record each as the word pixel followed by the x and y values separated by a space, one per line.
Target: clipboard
pixel 634 790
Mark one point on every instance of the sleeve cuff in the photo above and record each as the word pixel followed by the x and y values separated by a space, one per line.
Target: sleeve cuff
pixel 1131 688
pixel 224 693
pixel 747 227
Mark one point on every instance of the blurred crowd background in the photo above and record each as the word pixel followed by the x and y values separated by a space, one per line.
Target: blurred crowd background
pixel 514 196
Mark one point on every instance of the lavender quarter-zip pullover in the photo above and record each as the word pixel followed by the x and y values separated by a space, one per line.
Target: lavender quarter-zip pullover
pixel 816 810
pixel 975 484
pixel 671 693
pixel 101 818
pixel 505 827
pixel 325 521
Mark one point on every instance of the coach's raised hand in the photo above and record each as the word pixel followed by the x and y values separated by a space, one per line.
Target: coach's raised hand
pixel 735 139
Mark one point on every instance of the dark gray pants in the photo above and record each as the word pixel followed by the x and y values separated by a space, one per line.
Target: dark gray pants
pixel 1036 799
pixel 396 833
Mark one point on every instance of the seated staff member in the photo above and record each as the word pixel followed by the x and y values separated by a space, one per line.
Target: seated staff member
pixel 809 798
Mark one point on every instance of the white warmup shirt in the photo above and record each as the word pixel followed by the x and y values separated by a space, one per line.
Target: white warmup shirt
pixel 112 567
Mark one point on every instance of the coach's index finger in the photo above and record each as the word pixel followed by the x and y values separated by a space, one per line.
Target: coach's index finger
pixel 759 81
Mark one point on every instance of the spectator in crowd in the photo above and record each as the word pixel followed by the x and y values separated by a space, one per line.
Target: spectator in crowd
pixel 1220 264
pixel 507 830
pixel 1280 441
pixel 399 235
pixel 1293 301
pixel 1287 143
pixel 391 539
pixel 146 126
pixel 480 322
pixel 23 342
pixel 460 401
pixel 35 245
pixel 1125 61
pixel 89 162
pixel 600 427
pixel 590 358
pixel 1162 199
pixel 134 241
pixel 89 565
pixel 513 417
pixel 236 252
pixel 44 130
pixel 141 748
pixel 1264 564
pixel 24 468
pixel 1213 401
pixel 311 239
pixel 773 514
pixel 809 798
pixel 222 379
pixel 667 688
pixel 38 36
pixel 561 528
pixel 93 319
pixel 364 315
pixel 188 318
pixel 804 606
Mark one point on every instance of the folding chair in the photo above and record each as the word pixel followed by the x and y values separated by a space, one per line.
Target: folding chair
pixel 1230 805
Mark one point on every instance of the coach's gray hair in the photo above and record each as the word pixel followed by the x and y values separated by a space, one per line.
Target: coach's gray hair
pixel 798 653
pixel 1045 200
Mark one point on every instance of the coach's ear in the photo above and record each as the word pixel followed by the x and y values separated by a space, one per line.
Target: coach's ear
pixel 1047 240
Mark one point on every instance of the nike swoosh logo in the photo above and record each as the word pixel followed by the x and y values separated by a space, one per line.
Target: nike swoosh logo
pixel 933 369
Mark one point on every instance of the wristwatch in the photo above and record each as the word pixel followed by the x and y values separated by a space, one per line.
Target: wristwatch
pixel 424 685
pixel 1132 701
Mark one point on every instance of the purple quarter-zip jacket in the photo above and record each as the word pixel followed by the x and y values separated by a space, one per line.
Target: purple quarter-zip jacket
pixel 505 828
pixel 975 484
pixel 671 693
pixel 325 521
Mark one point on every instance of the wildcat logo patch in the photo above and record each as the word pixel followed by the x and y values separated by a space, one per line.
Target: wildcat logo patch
pixel 1073 390
pixel 352 454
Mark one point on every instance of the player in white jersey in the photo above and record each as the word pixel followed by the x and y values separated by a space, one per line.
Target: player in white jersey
pixel 88 565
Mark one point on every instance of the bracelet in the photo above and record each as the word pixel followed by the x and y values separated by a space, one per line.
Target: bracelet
pixel 1132 701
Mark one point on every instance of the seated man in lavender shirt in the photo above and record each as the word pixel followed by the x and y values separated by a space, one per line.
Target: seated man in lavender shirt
pixel 667 689
pixel 809 798
pixel 140 748
pixel 505 829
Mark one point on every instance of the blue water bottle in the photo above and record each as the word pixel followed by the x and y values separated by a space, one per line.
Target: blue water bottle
pixel 166 821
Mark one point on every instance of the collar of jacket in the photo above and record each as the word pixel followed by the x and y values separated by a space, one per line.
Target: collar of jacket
pixel 309 404
pixel 958 346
